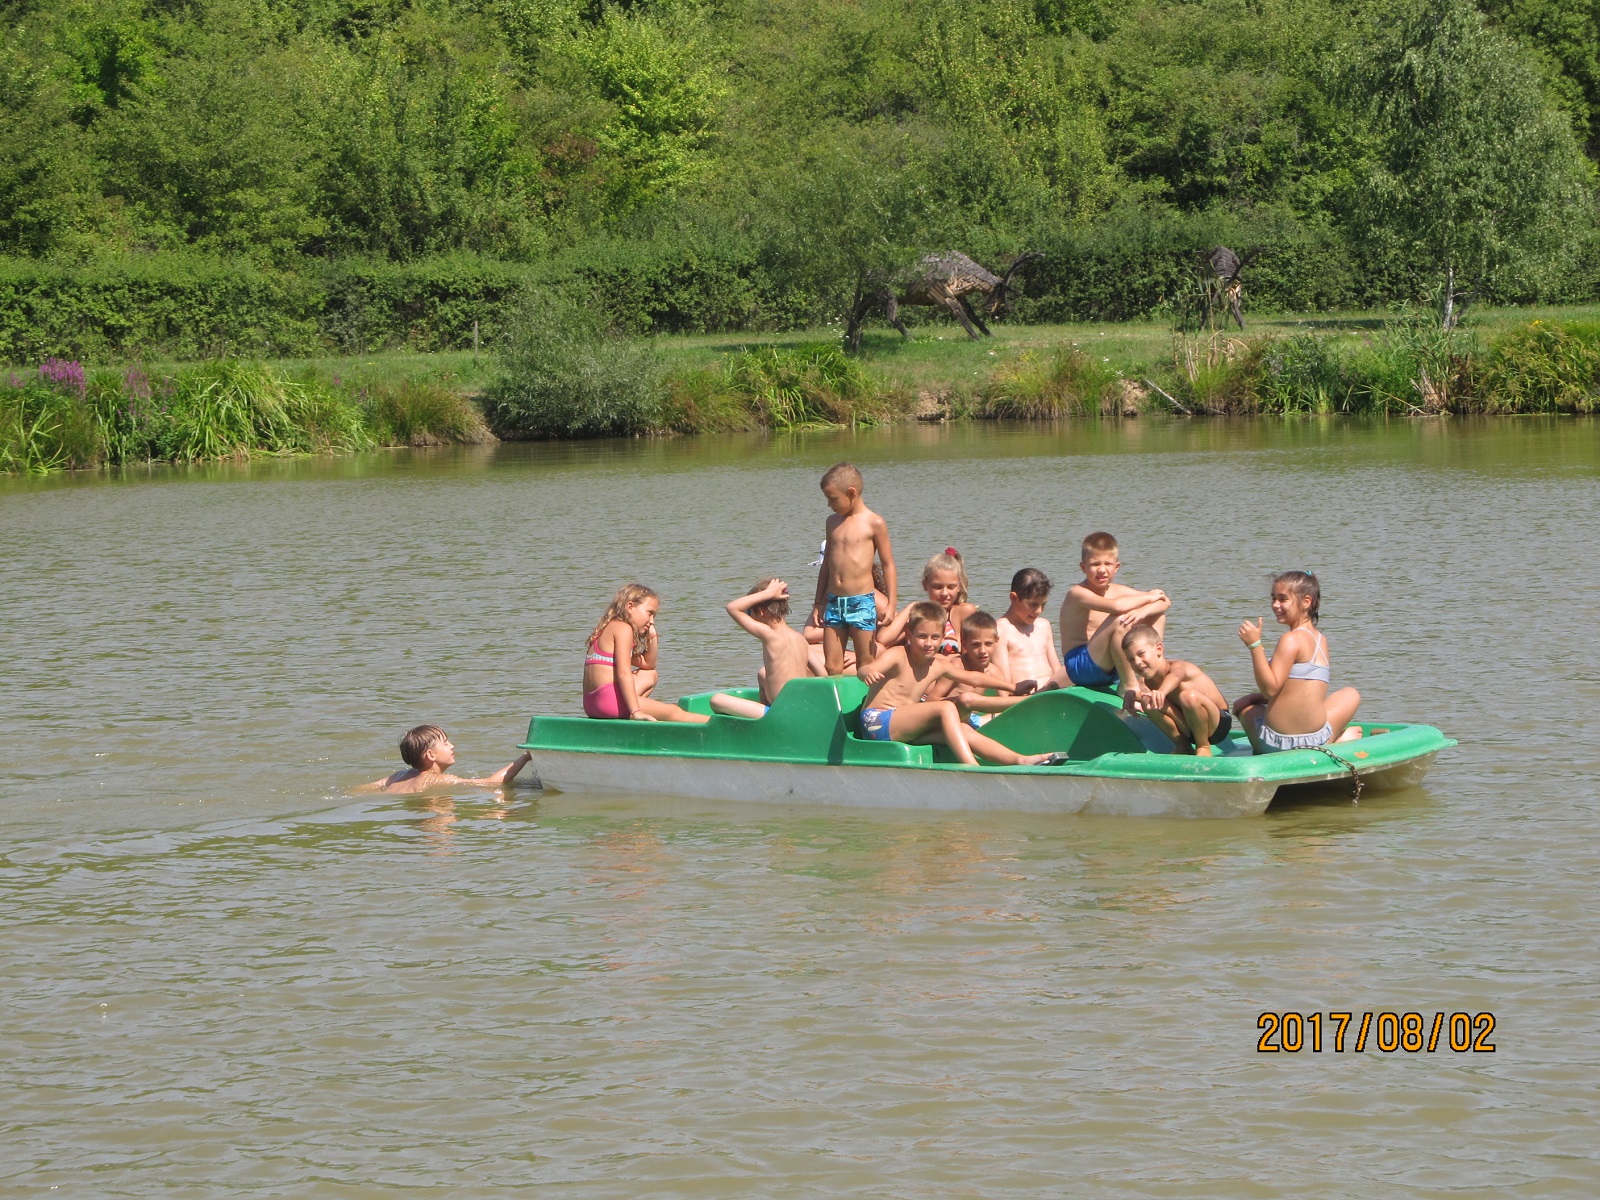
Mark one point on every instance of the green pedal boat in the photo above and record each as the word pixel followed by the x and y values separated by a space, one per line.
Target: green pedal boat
pixel 808 749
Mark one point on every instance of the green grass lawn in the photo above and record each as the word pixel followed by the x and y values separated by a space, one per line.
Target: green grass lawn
pixel 940 356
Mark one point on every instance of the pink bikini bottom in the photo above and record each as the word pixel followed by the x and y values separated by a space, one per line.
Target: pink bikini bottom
pixel 605 702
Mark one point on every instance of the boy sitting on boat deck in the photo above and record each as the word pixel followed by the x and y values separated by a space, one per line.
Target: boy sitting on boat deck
pixel 1027 645
pixel 427 751
pixel 1178 697
pixel 784 651
pixel 899 679
pixel 1095 616
pixel 845 605
pixel 980 644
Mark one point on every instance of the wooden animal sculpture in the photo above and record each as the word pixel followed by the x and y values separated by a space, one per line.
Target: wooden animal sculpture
pixel 1220 284
pixel 938 281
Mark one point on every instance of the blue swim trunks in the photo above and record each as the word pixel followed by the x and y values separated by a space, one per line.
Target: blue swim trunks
pixel 851 612
pixel 875 724
pixel 1085 672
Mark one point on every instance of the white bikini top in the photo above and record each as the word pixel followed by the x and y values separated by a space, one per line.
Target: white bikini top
pixel 1314 670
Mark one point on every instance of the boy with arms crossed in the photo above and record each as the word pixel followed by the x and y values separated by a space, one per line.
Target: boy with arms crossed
pixel 784 651
pixel 1095 616
pixel 902 675
pixel 845 605
pixel 1179 698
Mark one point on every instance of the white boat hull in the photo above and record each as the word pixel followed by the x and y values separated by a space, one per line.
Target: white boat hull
pixel 879 787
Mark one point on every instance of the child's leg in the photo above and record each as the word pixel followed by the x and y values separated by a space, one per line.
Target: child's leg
pixel 991 751
pixel 735 706
pixel 861 640
pixel 1201 715
pixel 1251 711
pixel 1169 720
pixel 931 722
pixel 669 712
pixel 644 682
pixel 1342 706
pixel 833 649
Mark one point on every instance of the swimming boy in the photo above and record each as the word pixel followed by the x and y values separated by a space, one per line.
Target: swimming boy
pixel 902 675
pixel 1027 646
pixel 980 646
pixel 784 651
pixel 1178 697
pixel 1096 615
pixel 845 606
pixel 427 751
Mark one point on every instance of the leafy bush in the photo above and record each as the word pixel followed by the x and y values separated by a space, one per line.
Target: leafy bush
pixel 427 304
pixel 1065 383
pixel 421 414
pixel 797 387
pixel 1302 373
pixel 1540 367
pixel 567 375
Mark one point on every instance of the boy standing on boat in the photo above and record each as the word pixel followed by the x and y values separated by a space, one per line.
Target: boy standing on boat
pixel 897 681
pixel 1095 616
pixel 845 604
pixel 784 651
pixel 1178 697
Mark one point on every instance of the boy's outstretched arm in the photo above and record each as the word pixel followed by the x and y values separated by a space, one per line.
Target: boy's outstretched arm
pixel 974 679
pixel 506 773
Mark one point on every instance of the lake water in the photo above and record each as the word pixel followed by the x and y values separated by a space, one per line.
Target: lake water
pixel 223 974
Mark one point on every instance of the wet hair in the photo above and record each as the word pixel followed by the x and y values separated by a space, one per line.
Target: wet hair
pixel 1303 584
pixel 978 622
pixel 768 610
pixel 1030 583
pixel 1099 543
pixel 627 596
pixel 949 559
pixel 924 610
pixel 842 475
pixel 1138 636
pixel 418 742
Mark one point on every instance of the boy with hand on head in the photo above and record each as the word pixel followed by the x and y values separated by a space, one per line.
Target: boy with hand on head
pixel 1178 697
pixel 845 605
pixel 427 751
pixel 1027 646
pixel 784 651
pixel 1095 616
pixel 898 680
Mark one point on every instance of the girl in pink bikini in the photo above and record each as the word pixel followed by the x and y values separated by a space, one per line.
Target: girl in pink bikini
pixel 626 636
pixel 944 579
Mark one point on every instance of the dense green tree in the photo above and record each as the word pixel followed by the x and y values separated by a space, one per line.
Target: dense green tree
pixel 1471 170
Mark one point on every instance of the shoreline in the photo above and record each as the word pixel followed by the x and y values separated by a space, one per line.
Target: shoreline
pixel 63 416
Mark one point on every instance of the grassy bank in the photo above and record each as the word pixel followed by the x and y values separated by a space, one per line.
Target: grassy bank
pixel 571 378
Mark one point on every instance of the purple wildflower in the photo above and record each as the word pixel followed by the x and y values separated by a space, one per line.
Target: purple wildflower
pixel 64 375
pixel 136 383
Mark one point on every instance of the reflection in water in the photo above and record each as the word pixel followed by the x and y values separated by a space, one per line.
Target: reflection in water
pixel 221 973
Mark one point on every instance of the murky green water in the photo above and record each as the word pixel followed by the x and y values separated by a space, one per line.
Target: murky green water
pixel 222 974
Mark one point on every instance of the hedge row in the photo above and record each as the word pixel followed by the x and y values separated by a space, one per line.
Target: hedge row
pixel 188 306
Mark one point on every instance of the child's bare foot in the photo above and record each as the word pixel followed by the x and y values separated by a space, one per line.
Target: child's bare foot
pixel 1349 735
pixel 1045 760
pixel 1202 752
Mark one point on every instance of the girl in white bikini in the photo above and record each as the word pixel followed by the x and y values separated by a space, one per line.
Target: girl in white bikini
pixel 1294 709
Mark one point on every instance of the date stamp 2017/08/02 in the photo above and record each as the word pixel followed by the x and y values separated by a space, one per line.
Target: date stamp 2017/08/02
pixel 1346 1032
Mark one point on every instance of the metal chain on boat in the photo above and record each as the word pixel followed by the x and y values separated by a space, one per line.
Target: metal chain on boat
pixel 1355 779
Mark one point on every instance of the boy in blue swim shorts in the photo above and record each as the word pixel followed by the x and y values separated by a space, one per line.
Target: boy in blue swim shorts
pixel 845 605
pixel 1096 616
